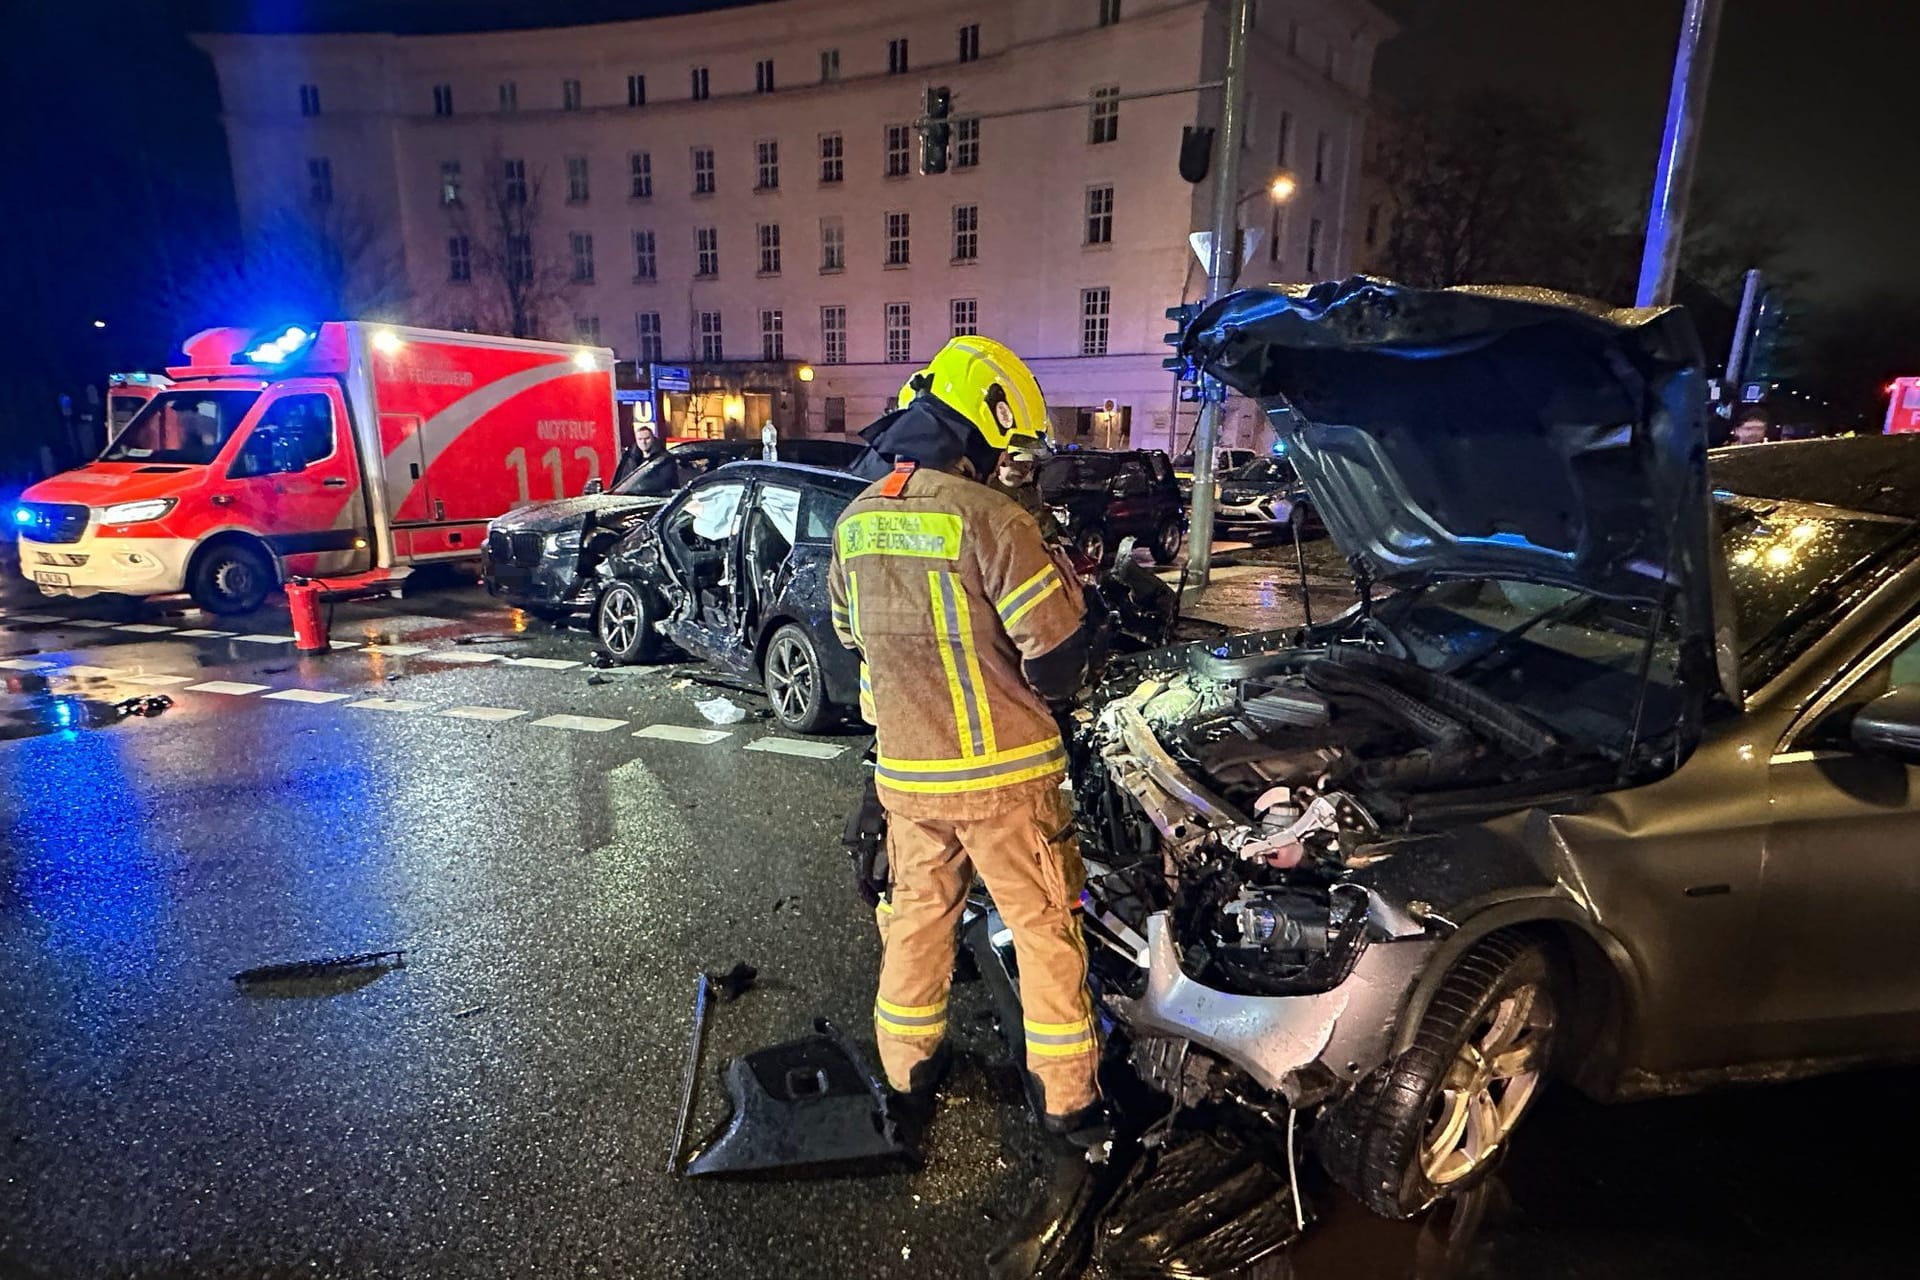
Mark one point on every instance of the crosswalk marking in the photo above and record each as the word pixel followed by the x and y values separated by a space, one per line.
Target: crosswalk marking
pixel 311 696
pixel 234 688
pixel 797 747
pixel 80 671
pixel 204 633
pixel 95 623
pixel 24 664
pixel 584 724
pixel 463 655
pixel 144 628
pixel 542 664
pixel 262 638
pixel 684 733
pixel 397 650
pixel 481 713
pixel 156 680
pixel 37 617
pixel 388 704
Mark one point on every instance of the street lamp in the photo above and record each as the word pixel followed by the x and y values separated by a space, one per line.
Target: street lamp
pixel 1280 188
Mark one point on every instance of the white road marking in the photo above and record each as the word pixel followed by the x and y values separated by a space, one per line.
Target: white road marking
pixel 25 664
pixel 388 704
pixel 36 617
pixel 144 628
pixel 397 650
pixel 311 696
pixel 95 622
pixel 542 664
pixel 262 638
pixel 684 733
pixel 343 644
pixel 797 747
pixel 463 655
pixel 481 713
pixel 585 724
pixel 156 679
pixel 202 633
pixel 82 672
pixel 235 688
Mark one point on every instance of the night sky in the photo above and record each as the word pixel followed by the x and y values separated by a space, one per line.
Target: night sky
pixel 1813 108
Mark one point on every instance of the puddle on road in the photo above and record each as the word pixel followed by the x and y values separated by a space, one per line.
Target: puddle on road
pixel 33 710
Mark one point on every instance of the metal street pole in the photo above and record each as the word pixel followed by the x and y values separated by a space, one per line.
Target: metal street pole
pixel 1224 265
pixel 1742 329
pixel 1673 180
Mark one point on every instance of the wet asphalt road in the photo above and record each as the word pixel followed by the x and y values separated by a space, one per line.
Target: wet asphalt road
pixel 502 1105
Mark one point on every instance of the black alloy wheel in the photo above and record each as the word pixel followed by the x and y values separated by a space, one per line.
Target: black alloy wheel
pixel 623 622
pixel 794 681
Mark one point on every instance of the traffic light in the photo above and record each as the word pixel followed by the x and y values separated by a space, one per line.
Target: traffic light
pixel 1183 317
pixel 935 129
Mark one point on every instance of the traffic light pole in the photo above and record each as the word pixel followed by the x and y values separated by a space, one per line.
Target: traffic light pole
pixel 1673 179
pixel 1224 264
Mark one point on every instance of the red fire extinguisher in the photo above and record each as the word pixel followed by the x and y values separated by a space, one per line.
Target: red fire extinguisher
pixel 309 623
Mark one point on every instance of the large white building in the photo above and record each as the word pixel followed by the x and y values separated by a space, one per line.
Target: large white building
pixel 742 188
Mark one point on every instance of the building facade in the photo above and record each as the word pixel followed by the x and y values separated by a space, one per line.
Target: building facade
pixel 745 185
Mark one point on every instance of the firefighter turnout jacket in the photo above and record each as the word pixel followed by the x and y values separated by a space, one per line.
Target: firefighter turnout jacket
pixel 945 587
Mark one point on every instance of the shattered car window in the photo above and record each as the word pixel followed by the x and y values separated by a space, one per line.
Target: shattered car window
pixel 715 511
pixel 782 506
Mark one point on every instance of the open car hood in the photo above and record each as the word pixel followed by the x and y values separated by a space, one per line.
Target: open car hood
pixel 1483 432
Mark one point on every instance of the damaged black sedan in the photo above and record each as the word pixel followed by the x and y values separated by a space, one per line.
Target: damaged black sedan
pixel 1593 782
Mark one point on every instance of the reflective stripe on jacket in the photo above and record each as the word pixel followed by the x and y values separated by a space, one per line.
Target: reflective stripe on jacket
pixel 944 589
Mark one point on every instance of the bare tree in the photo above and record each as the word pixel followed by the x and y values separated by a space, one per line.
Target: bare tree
pixel 326 262
pixel 515 285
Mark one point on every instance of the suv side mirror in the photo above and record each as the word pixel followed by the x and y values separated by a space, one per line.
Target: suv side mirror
pixel 595 485
pixel 1889 725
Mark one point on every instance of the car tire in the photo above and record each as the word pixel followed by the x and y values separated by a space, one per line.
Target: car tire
pixel 623 621
pixel 1435 1121
pixel 1091 543
pixel 1166 542
pixel 231 577
pixel 794 681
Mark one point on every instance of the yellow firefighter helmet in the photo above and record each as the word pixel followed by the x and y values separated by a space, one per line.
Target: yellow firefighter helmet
pixel 985 383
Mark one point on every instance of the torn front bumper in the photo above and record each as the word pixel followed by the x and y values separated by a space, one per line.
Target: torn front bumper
pixel 1301 1047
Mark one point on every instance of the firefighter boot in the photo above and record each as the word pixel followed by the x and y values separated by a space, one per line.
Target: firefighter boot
pixel 911 1109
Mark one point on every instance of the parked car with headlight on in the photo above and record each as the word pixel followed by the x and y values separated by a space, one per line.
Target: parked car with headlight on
pixel 1261 500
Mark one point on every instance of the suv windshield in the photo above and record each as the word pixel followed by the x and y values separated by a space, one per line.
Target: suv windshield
pixel 1263 469
pixel 1077 472
pixel 182 426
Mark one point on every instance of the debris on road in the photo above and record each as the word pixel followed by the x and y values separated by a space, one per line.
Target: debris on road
pixel 599 658
pixel 731 984
pixel 488 637
pixel 690 1083
pixel 322 967
pixel 721 710
pixel 151 704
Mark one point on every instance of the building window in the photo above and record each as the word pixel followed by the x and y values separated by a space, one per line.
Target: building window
pixel 703 171
pixel 576 179
pixel 1313 247
pixel 1093 321
pixel 640 175
pixel 766 157
pixel 459 260
pixel 970 42
pixel 581 243
pixel 636 91
pixel 1320 147
pixel 763 76
pixel 569 95
pixel 509 96
pixel 449 182
pixel 648 325
pixel 1103 118
pixel 513 182
pixel 309 99
pixel 773 337
pixel 899 332
pixel 897 239
pixel 587 329
pixel 699 77
pixel 1286 137
pixel 833 245
pixel 897 56
pixel 833 157
pixel 899 149
pixel 966 233
pixel 520 259
pixel 829 65
pixel 769 248
pixel 706 243
pixel 1099 215
pixel 1373 225
pixel 835 416
pixel 646 264
pixel 833 335
pixel 443 99
pixel 320 180
pixel 966 317
pixel 1109 12
pixel 711 346
pixel 966 144
pixel 1273 234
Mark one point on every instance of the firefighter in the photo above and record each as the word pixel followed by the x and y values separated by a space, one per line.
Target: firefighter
pixel 1018 476
pixel 967 629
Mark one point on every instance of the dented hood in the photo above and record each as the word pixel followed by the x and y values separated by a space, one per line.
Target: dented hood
pixel 1483 432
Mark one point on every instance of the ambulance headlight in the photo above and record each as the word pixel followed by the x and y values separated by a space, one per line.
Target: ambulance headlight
pixel 135 512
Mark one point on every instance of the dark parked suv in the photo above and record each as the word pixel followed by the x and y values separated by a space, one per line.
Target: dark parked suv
pixel 1100 497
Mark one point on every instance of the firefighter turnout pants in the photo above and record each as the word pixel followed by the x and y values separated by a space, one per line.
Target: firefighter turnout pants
pixel 1028 855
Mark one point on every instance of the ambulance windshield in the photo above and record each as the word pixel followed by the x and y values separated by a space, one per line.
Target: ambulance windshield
pixel 182 427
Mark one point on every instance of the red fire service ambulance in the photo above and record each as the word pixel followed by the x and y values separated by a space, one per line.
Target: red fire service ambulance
pixel 349 450
pixel 1903 405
